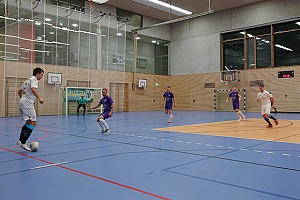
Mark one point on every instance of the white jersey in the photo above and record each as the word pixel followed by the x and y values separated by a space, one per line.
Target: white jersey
pixel 265 98
pixel 28 97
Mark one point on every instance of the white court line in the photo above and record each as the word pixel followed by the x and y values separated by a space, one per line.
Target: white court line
pixel 286 154
pixel 257 151
pixel 50 165
pixel 271 152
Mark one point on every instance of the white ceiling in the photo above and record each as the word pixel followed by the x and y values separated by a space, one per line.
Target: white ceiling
pixel 195 6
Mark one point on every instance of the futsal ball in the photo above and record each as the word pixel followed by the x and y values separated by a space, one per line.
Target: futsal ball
pixel 34 146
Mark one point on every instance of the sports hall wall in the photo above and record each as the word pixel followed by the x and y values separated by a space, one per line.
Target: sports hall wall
pixel 189 90
pixel 196 43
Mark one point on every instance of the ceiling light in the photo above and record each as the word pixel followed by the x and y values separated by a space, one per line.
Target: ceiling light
pixel 100 1
pixel 119 34
pixel 298 23
pixel 75 25
pixel 52 33
pixel 48 19
pixel 137 38
pixel 154 3
pixel 283 47
pixel 153 41
pixel 38 23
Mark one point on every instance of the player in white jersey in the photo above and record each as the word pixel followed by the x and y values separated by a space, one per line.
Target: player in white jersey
pixel 267 103
pixel 28 93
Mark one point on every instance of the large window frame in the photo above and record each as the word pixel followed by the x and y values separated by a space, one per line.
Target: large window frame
pixel 262 48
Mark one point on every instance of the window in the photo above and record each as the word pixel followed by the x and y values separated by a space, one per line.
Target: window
pixel 259 45
pixel 287 49
pixel 234 55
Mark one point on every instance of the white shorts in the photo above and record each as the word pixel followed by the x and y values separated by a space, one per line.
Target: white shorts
pixel 28 114
pixel 266 110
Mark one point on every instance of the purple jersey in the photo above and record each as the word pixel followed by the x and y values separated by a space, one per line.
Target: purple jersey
pixel 235 100
pixel 106 102
pixel 169 96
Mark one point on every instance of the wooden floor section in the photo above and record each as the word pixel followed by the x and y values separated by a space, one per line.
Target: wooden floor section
pixel 251 128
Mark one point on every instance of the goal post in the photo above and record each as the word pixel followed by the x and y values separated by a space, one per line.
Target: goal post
pixel 220 103
pixel 73 94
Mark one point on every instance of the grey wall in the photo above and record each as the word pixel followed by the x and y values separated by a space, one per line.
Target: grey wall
pixel 195 43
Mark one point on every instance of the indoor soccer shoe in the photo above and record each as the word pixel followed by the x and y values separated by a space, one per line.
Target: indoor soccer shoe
pixel 102 131
pixel 269 126
pixel 276 121
pixel 107 131
pixel 23 146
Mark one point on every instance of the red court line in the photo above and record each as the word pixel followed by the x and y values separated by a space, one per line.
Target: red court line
pixel 87 174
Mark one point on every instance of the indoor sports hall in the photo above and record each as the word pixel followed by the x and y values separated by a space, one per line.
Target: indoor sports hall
pixel 137 51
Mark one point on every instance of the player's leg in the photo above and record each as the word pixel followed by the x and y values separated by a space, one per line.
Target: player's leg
pixel 84 109
pixel 100 124
pixel 265 111
pixel 170 115
pixel 29 115
pixel 237 114
pixel 78 107
pixel 241 114
pixel 102 120
pixel 275 120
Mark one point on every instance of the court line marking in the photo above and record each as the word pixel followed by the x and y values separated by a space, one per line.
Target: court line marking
pixel 87 174
pixel 50 165
pixel 219 146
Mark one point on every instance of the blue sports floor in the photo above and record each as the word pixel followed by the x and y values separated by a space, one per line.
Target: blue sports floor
pixel 136 162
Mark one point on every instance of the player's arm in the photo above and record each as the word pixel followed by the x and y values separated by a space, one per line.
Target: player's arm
pixel 94 107
pixel 256 102
pixel 239 97
pixel 174 102
pixel 111 110
pixel 36 94
pixel 227 99
pixel 272 101
pixel 163 101
pixel 20 92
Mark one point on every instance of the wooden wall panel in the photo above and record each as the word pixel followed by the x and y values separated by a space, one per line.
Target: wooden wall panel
pixel 189 90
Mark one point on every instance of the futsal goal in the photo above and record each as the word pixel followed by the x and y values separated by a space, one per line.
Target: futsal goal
pixel 73 94
pixel 220 103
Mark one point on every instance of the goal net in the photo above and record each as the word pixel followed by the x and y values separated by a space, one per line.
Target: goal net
pixel 71 95
pixel 220 103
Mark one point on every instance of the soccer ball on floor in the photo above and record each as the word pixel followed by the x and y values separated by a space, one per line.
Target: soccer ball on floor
pixel 34 146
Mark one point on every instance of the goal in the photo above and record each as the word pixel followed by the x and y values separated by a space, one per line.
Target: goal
pixel 72 94
pixel 220 103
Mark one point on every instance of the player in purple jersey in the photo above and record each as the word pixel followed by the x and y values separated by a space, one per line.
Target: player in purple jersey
pixel 236 98
pixel 108 106
pixel 168 101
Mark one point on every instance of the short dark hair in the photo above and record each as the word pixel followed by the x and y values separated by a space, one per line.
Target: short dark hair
pixel 104 89
pixel 261 85
pixel 37 70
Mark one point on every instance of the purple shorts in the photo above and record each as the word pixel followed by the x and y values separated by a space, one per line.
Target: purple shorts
pixel 105 115
pixel 236 106
pixel 168 107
